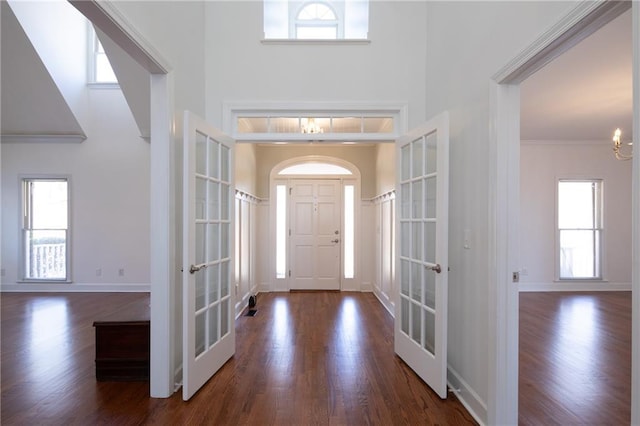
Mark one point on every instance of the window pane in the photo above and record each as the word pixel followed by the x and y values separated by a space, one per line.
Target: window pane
pixel 349 231
pixel 579 254
pixel 104 72
pixel 46 254
pixel 49 204
pixel 575 205
pixel 281 230
pixel 316 33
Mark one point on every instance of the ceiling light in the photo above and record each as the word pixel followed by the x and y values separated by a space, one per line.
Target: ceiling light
pixel 311 127
pixel 617 144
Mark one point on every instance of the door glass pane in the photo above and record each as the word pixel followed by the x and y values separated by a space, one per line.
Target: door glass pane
pixel 224 279
pixel 405 171
pixel 224 317
pixel 430 289
pixel 429 331
pixel 201 154
pixel 224 154
pixel 405 231
pixel 405 277
pixel 415 240
pixel 430 204
pixel 417 158
pixel 201 196
pixel 416 281
pixel 214 200
pixel 416 199
pixel 432 153
pixel 214 242
pixel 404 324
pixel 416 327
pixel 224 240
pixel 214 160
pixel 214 335
pixel 214 283
pixel 225 196
pixel 200 243
pixel 429 242
pixel 201 277
pixel 200 333
pixel 405 200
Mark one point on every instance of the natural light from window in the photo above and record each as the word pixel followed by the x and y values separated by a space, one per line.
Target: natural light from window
pixel 323 20
pixel 281 231
pixel 100 69
pixel 349 231
pixel 580 229
pixel 313 168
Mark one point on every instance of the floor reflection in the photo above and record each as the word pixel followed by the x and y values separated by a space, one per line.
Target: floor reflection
pixel 347 342
pixel 578 350
pixel 50 339
pixel 282 340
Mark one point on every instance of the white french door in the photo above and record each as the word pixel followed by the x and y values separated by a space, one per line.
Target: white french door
pixel 208 297
pixel 315 234
pixel 422 242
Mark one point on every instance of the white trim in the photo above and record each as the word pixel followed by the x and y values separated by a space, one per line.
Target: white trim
pixel 635 224
pixel 589 142
pixel 581 21
pixel 573 286
pixel 43 138
pixel 316 42
pixel 75 288
pixel 466 395
pixel 106 16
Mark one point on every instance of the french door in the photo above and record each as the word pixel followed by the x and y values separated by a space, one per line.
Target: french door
pixel 208 296
pixel 422 243
pixel 315 234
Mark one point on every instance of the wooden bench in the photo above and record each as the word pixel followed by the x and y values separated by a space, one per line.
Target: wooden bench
pixel 122 345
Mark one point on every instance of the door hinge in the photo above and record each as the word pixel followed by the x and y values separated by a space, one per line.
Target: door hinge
pixel 290 190
pixel 289 272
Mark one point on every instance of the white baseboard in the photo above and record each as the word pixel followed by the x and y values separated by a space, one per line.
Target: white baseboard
pixel 467 396
pixel 574 286
pixel 75 288
pixel 384 300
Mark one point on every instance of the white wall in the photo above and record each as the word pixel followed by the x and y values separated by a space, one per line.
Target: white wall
pixel 391 68
pixel 109 178
pixel 467 43
pixel 541 165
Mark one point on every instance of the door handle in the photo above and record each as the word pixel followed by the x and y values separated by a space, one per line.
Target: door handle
pixel 335 241
pixel 193 269
pixel 436 268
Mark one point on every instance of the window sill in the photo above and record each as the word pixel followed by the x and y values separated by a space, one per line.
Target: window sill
pixel 103 86
pixel 44 281
pixel 580 280
pixel 294 41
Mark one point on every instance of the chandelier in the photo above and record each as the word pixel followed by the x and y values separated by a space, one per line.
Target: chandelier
pixel 311 127
pixel 617 146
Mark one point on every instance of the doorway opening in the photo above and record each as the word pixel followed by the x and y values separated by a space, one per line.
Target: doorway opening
pixel 316 223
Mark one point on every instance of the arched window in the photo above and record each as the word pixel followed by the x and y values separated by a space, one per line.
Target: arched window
pixel 317 21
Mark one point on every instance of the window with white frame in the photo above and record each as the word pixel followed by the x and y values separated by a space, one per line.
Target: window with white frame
pixel 100 70
pixel 580 229
pixel 316 20
pixel 45 229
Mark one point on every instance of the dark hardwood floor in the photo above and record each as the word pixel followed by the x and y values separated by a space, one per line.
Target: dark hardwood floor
pixel 305 358
pixel 575 358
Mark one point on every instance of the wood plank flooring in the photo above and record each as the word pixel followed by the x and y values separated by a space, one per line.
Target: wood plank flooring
pixel 575 358
pixel 304 359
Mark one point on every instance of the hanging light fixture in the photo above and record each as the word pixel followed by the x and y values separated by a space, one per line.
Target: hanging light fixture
pixel 617 145
pixel 311 127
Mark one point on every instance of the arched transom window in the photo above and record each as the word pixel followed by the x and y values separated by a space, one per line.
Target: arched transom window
pixel 316 21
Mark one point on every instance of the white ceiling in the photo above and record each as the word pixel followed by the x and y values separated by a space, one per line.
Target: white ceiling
pixel 585 93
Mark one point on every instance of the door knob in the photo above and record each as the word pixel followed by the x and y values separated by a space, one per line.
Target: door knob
pixel 193 269
pixel 436 268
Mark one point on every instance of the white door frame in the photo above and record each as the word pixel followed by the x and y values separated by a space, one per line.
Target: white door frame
pixel 164 270
pixel 582 21
pixel 283 284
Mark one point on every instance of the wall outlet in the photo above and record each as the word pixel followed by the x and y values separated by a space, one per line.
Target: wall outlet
pixel 121 272
pixel 99 272
pixel 524 272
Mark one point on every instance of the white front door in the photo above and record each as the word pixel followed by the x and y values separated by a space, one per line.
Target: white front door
pixel 315 234
pixel 208 299
pixel 422 241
